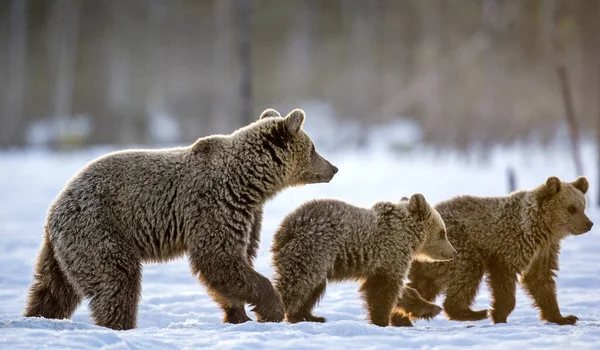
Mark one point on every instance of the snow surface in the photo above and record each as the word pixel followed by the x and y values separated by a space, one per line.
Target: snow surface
pixel 175 311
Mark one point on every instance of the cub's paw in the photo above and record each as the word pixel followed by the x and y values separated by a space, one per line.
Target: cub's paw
pixel 305 318
pixel 426 311
pixel 567 320
pixel 318 319
pixel 399 320
pixel 236 315
pixel 466 314
pixel 497 318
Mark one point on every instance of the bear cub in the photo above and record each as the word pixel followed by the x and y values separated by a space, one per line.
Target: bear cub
pixel 330 240
pixel 503 237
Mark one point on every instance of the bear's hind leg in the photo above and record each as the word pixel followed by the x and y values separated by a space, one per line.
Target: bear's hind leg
pixel 461 293
pixel 114 303
pixel 304 313
pixel 502 283
pixel 109 271
pixel 50 295
pixel 380 292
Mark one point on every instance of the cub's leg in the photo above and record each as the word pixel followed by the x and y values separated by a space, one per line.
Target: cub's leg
pixel 381 292
pixel 502 283
pixel 538 281
pixel 465 278
pixel 50 295
pixel 304 313
pixel 411 305
pixel 417 307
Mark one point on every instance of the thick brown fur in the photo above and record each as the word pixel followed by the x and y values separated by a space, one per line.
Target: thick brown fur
pixel 205 200
pixel 503 237
pixel 330 240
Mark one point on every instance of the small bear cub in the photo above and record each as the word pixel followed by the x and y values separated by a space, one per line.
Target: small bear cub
pixel 330 240
pixel 508 240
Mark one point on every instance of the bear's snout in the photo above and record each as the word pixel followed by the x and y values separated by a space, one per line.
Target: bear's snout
pixel 589 225
pixel 331 171
pixel 452 257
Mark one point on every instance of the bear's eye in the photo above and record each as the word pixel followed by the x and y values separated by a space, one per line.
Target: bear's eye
pixel 442 234
pixel 572 209
pixel 312 149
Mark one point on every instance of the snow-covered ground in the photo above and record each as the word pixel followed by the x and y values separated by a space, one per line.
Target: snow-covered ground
pixel 175 311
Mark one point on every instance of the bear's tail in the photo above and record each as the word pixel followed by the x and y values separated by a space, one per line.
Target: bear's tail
pixel 50 295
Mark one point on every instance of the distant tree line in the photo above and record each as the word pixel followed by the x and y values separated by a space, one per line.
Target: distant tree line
pixel 472 73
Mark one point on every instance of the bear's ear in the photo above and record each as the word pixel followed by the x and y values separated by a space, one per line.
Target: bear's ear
pixel 582 184
pixel 403 199
pixel 269 112
pixel 207 144
pixel 552 186
pixel 417 204
pixel 294 121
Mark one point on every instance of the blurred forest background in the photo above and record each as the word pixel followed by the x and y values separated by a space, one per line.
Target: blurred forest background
pixel 470 73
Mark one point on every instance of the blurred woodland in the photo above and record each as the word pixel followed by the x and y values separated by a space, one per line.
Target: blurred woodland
pixel 470 73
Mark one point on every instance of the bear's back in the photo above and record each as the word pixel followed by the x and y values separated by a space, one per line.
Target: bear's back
pixel 324 220
pixel 490 225
pixel 128 192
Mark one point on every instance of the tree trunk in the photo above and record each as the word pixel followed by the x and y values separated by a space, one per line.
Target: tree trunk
pixel 223 110
pixel 12 132
pixel 570 116
pixel 63 48
pixel 598 100
pixel 244 34
pixel 155 103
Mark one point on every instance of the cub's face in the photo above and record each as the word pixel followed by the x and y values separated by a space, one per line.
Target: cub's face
pixel 435 245
pixel 563 206
pixel 304 165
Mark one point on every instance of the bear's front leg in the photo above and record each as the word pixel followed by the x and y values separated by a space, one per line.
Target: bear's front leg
pixel 235 312
pixel 538 281
pixel 380 292
pixel 230 277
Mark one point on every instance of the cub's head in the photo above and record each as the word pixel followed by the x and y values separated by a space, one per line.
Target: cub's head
pixel 435 245
pixel 292 149
pixel 563 204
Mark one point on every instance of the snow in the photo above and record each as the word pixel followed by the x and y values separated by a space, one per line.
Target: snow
pixel 175 311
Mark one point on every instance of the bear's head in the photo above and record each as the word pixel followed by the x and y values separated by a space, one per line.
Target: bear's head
pixel 562 206
pixel 434 244
pixel 293 150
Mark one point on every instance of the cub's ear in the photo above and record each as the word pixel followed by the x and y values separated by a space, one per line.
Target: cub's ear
pixel 294 121
pixel 552 186
pixel 269 112
pixel 417 204
pixel 582 184
pixel 403 199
